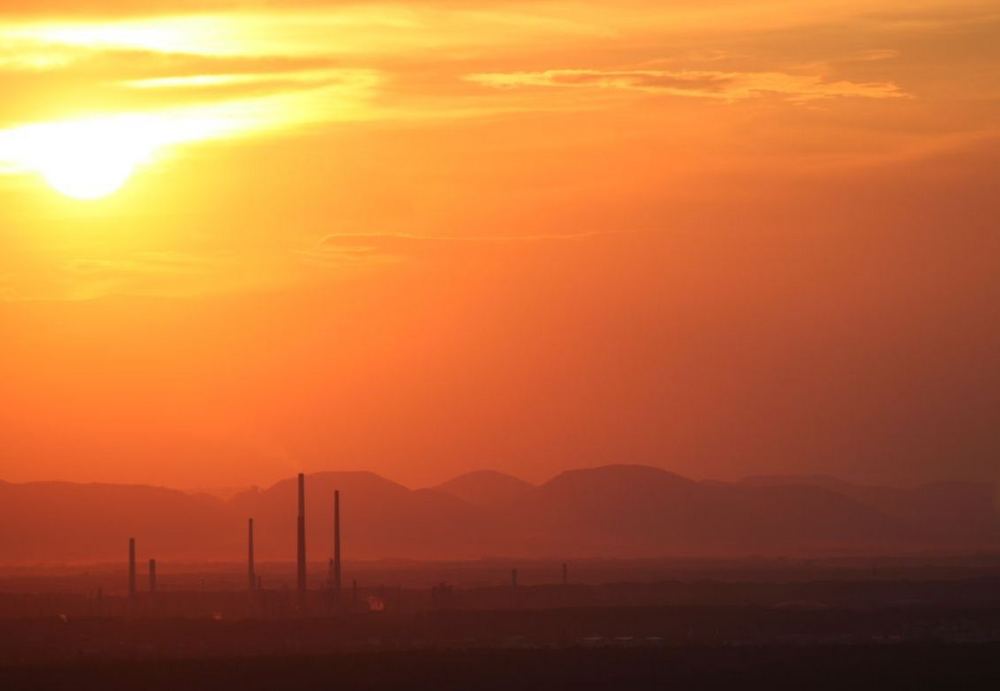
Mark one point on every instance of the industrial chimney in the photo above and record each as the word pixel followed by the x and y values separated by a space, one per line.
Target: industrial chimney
pixel 152 575
pixel 131 568
pixel 336 543
pixel 302 537
pixel 251 570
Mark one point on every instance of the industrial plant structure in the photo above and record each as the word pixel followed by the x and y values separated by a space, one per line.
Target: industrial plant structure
pixel 131 568
pixel 336 545
pixel 301 545
pixel 335 574
pixel 251 568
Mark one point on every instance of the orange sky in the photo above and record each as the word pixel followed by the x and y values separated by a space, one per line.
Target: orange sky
pixel 420 238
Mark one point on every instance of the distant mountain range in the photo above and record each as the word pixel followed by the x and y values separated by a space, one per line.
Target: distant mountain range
pixel 610 511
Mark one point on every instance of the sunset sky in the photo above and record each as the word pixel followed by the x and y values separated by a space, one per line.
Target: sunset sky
pixel 239 240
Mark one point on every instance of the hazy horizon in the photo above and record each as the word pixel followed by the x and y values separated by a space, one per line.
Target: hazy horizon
pixel 226 491
pixel 243 240
pixel 623 511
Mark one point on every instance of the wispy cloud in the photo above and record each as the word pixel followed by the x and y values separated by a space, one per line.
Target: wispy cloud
pixel 164 274
pixel 357 250
pixel 722 85
pixel 181 74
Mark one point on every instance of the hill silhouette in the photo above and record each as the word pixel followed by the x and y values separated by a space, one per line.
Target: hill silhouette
pixel 610 511
pixel 487 488
pixel 64 521
pixel 639 510
pixel 947 510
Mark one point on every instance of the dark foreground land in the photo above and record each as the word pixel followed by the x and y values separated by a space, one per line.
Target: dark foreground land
pixel 934 626
pixel 619 648
pixel 904 666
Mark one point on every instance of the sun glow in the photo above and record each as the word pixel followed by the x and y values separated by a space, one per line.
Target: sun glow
pixel 82 159
pixel 92 158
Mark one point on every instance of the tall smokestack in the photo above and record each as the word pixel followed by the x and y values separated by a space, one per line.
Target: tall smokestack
pixel 152 575
pixel 302 536
pixel 565 574
pixel 336 543
pixel 131 568
pixel 251 569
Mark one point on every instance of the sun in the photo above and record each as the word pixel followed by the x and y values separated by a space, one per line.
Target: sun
pixel 90 159
pixel 85 159
pixel 87 171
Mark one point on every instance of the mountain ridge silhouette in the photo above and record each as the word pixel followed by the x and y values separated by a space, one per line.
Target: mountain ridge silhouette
pixel 606 511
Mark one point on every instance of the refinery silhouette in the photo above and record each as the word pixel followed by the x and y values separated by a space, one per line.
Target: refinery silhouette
pixel 693 620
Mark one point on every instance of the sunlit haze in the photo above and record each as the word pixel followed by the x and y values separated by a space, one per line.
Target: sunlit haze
pixel 239 240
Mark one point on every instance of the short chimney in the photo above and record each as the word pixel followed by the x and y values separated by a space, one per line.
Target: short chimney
pixel 251 568
pixel 131 568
